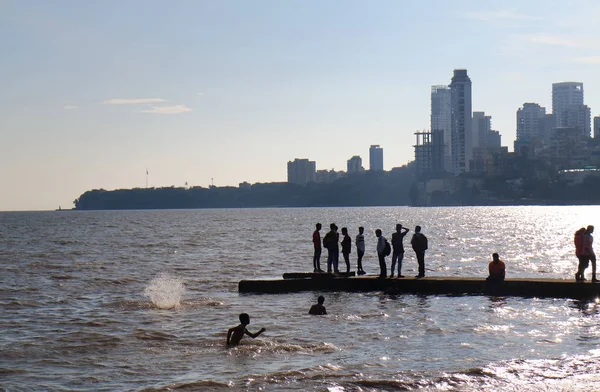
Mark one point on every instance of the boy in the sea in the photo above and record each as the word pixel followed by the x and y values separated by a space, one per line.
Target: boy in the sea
pixel 235 334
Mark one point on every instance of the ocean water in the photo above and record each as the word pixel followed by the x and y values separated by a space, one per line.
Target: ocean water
pixel 142 300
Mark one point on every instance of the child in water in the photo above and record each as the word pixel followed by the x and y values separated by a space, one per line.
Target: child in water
pixel 235 334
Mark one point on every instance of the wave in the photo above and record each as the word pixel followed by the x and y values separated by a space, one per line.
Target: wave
pixel 201 385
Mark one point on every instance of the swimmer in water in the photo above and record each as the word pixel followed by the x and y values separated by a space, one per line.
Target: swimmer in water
pixel 235 334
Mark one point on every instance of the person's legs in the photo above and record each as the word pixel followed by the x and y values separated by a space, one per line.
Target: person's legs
pixel 421 261
pixel 329 259
pixel 593 260
pixel 394 258
pixel 359 261
pixel 336 259
pixel 382 267
pixel 347 260
pixel 400 258
pixel 317 259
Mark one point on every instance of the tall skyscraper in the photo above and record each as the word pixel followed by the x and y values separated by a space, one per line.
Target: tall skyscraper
pixel 354 164
pixel 564 95
pixel 461 123
pixel 441 120
pixel 579 117
pixel 482 126
pixel 301 171
pixel 597 127
pixel 530 122
pixel 376 158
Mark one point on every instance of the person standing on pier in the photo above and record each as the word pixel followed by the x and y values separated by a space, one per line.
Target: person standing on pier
pixel 588 250
pixel 497 269
pixel 381 253
pixel 398 249
pixel 583 260
pixel 346 248
pixel 331 242
pixel 360 250
pixel 317 244
pixel 419 245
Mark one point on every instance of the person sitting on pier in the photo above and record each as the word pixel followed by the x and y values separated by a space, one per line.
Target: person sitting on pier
pixel 346 248
pixel 318 308
pixel 235 334
pixel 583 260
pixel 497 269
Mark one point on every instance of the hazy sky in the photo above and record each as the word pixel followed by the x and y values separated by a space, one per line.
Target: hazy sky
pixel 93 92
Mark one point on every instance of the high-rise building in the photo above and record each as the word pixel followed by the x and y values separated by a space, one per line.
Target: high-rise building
pixel 579 117
pixel 301 171
pixel 441 119
pixel 429 152
pixel 482 126
pixel 375 158
pixel 597 127
pixel 564 95
pixel 530 122
pixel 354 164
pixel 461 123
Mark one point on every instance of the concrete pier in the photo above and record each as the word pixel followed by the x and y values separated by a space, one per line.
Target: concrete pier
pixel 523 287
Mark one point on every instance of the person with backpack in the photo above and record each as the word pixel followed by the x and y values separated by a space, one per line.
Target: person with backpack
pixel 383 250
pixel 419 245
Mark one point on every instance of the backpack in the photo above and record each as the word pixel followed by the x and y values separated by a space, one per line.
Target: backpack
pixel 419 242
pixel 387 249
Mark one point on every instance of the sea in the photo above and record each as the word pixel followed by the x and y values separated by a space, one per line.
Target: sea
pixel 141 300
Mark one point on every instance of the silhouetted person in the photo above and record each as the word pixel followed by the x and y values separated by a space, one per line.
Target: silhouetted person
pixel 588 250
pixel 582 258
pixel 398 249
pixel 346 248
pixel 419 245
pixel 360 250
pixel 235 334
pixel 497 269
pixel 318 308
pixel 317 244
pixel 331 242
pixel 381 253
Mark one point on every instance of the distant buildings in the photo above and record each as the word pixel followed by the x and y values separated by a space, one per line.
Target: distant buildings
pixel 597 127
pixel 354 165
pixel 578 117
pixel 429 152
pixel 531 127
pixel 461 124
pixel 565 94
pixel 301 171
pixel 441 120
pixel 375 158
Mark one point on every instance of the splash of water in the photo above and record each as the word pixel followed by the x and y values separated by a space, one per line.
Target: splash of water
pixel 165 291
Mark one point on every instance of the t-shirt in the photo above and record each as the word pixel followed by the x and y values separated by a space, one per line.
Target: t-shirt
pixel 588 249
pixel 360 242
pixel 317 239
pixel 397 241
pixel 346 244
pixel 380 245
pixel 497 269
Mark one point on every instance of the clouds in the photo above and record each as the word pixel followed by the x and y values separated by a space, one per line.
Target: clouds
pixel 171 109
pixel 500 15
pixel 174 109
pixel 121 101
pixel 70 107
pixel 553 40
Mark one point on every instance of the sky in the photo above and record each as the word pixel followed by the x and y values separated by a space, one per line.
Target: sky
pixel 94 93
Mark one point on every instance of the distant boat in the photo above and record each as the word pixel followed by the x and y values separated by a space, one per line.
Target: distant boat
pixel 61 209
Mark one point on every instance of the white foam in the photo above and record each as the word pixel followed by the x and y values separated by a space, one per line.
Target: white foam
pixel 165 291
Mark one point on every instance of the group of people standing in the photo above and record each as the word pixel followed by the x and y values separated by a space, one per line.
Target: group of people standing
pixel 584 251
pixel 331 242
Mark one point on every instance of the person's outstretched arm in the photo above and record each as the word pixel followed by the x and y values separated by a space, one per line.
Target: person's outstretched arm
pixel 255 335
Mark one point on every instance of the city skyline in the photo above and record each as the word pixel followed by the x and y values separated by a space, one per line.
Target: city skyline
pixel 93 94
